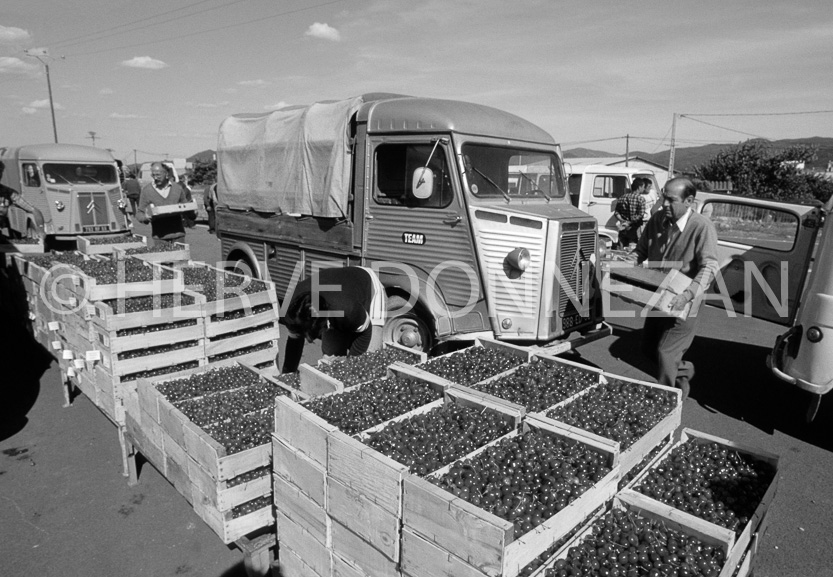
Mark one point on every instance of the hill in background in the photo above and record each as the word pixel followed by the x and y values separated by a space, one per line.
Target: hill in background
pixel 686 158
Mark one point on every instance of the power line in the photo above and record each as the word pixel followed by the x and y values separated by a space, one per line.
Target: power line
pixel 79 39
pixel 227 26
pixel 721 127
pixel 764 113
pixel 151 24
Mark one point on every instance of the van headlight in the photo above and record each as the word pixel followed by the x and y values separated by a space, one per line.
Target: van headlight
pixel 59 205
pixel 519 259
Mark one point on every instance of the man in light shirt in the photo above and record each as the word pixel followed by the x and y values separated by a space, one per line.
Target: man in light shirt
pixel 159 192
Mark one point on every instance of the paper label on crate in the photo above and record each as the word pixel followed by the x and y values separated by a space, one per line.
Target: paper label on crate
pixel 93 355
pixel 67 355
pixel 54 325
pixel 70 372
pixel 79 363
pixel 32 316
pixel 91 310
pixel 56 345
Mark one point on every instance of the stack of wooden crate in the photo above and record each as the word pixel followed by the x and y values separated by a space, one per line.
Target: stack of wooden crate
pixel 215 480
pixel 109 243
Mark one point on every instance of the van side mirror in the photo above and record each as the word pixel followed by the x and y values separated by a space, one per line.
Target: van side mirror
pixel 422 183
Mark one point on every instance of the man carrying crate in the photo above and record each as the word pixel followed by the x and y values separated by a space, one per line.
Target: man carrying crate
pixel 677 237
pixel 160 192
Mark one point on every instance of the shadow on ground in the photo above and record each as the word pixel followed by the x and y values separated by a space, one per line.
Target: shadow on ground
pixel 23 360
pixel 732 378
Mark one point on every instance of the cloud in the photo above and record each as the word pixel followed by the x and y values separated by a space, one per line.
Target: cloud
pixel 105 91
pixel 280 104
pixel 323 31
pixel 208 104
pixel 36 105
pixel 12 65
pixel 12 35
pixel 144 62
pixel 119 116
pixel 258 82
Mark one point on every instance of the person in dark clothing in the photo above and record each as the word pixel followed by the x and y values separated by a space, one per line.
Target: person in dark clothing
pixel 132 191
pixel 163 191
pixel 344 307
pixel 10 197
pixel 630 212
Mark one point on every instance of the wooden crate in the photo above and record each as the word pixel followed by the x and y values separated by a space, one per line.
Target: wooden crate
pixel 110 318
pixel 483 540
pixel 314 381
pixel 757 523
pixel 706 532
pixel 122 242
pixel 633 455
pixel 301 553
pixel 181 252
pixel 167 209
pixel 88 288
pixel 358 553
pixel 291 502
pixel 12 247
pixel 651 287
pixel 522 353
pixel 225 525
pixel 300 471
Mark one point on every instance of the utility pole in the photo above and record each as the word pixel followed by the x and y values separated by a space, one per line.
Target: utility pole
pixel 41 54
pixel 135 162
pixel 627 148
pixel 673 142
pixel 92 136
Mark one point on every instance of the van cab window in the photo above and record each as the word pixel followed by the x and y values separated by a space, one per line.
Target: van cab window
pixel 496 172
pixel 753 225
pixel 73 173
pixel 609 186
pixel 395 166
pixel 30 175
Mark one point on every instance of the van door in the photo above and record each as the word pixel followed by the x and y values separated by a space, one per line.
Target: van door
pixel 764 252
pixel 601 192
pixel 30 191
pixel 430 235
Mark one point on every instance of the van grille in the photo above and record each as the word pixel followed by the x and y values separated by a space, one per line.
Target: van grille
pixel 576 248
pixel 92 211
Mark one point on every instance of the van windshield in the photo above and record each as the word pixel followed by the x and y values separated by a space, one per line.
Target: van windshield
pixel 74 173
pixel 496 172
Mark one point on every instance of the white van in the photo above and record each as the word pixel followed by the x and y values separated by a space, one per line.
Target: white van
pixel 594 188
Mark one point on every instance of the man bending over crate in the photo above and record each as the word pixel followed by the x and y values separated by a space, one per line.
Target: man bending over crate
pixel 344 307
pixel 677 237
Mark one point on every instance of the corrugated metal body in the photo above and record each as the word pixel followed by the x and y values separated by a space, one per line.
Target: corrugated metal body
pixel 442 244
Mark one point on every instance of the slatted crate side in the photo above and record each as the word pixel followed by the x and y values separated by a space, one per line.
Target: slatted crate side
pixel 250 357
pixel 215 328
pixel 123 367
pixel 111 318
pixel 222 496
pixel 314 556
pixel 214 458
pixel 422 558
pixel 242 301
pixel 225 525
pixel 344 568
pixel 306 475
pixel 361 554
pixel 301 429
pixel 229 344
pixel 108 341
pixel 752 527
pixel 315 382
pixel 137 434
pixel 87 287
pixel 486 541
pixel 376 526
pixel 181 253
pixel 86 246
pixel 291 502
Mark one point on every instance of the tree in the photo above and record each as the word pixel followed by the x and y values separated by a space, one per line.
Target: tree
pixel 204 172
pixel 757 169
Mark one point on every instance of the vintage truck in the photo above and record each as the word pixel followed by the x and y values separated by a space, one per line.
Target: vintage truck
pixel 75 188
pixel 421 190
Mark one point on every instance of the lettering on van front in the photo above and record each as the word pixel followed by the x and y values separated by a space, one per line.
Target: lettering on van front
pixel 413 238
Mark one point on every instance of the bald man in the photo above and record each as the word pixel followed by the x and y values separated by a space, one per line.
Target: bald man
pixel 159 192
pixel 677 237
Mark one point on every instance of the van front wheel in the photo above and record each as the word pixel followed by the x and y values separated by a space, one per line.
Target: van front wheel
pixel 405 328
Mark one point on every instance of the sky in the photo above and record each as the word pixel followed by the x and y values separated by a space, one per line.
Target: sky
pixel 158 77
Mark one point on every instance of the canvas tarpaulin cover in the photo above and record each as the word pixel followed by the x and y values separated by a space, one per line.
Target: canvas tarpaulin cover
pixel 294 160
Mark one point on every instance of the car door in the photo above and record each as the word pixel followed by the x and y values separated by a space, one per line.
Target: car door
pixel 764 252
